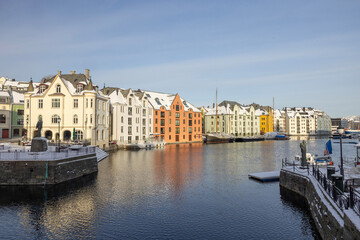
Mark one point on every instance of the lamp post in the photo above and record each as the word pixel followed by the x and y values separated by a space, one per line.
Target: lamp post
pixel 27 127
pixel 59 120
pixel 85 132
pixel 340 130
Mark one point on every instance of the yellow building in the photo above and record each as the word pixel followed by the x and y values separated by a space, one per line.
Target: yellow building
pixel 266 120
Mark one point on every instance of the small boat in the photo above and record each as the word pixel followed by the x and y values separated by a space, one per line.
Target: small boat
pixel 275 136
pixel 281 137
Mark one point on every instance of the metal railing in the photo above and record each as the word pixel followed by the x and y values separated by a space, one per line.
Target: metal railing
pixel 340 199
pixel 26 155
pixel 354 200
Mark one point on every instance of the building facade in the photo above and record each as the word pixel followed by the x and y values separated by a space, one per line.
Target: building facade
pixel 131 114
pixel 71 107
pixel 303 121
pixel 174 119
pixel 232 118
pixel 266 120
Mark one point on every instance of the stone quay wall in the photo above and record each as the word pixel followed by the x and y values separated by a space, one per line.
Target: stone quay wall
pixel 42 172
pixel 331 222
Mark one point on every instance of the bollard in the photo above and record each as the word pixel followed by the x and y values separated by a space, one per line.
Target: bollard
pixel 330 171
pixel 338 181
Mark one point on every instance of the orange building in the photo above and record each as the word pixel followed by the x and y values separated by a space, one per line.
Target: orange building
pixel 175 120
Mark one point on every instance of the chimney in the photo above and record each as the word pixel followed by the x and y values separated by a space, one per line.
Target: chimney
pixel 87 73
pixel 72 72
pixel 59 72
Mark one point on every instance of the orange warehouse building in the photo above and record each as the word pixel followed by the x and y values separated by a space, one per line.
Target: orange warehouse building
pixel 175 120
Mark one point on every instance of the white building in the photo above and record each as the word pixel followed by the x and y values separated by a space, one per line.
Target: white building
pixel 71 105
pixel 131 114
pixel 302 121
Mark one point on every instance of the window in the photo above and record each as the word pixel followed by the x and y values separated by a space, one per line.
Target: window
pixel 122 119
pixel 130 111
pixel 177 122
pixel 42 88
pixel 76 103
pixel 129 121
pixel 162 122
pixel 122 129
pixel 41 103
pixel 55 103
pixel 90 118
pixel 2 118
pixel 79 135
pixel 177 115
pixel 87 103
pixel 144 112
pixel 54 118
pixel 58 88
pixel 162 114
pixel 79 88
pixel 76 120
pixel 27 103
pixel 129 130
pixel 177 130
pixel 177 107
pixel 20 112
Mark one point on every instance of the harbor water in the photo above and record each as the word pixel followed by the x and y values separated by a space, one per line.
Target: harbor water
pixel 187 191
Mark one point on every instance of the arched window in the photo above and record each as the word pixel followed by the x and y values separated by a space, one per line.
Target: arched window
pixel 58 88
pixel 54 118
pixel 76 119
pixel 2 118
pixel 103 120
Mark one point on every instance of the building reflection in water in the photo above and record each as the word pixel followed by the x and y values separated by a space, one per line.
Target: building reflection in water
pixel 178 165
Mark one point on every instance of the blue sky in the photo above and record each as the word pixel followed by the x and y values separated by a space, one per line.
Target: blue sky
pixel 303 53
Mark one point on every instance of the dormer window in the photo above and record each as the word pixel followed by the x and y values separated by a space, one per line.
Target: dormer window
pixel 79 88
pixel 58 88
pixel 42 88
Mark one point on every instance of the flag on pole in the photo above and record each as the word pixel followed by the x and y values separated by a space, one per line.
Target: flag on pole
pixel 328 148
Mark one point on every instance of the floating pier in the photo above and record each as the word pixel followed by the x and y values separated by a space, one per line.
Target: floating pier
pixel 266 176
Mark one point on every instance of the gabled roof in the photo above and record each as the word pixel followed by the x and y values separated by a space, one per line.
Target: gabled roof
pixel 157 100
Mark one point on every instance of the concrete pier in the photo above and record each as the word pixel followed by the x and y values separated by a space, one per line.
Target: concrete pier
pixel 46 169
pixel 331 221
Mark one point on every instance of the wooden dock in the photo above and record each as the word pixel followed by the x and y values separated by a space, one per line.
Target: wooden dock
pixel 265 176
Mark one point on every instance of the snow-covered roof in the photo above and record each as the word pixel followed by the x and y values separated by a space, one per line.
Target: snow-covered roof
pixel 4 94
pixel 221 110
pixel 164 99
pixel 17 97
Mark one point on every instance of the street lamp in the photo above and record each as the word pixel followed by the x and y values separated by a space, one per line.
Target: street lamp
pixel 59 120
pixel 340 130
pixel 27 127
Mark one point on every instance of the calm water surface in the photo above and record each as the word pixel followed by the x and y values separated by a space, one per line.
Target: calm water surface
pixel 180 192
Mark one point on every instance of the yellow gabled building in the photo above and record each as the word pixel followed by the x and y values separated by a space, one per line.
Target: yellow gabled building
pixel 266 120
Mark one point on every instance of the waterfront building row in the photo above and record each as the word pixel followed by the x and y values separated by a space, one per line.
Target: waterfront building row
pixel 304 121
pixel 232 118
pixel 71 108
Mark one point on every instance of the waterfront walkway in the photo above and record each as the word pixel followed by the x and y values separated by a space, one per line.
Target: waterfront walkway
pixel 336 213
